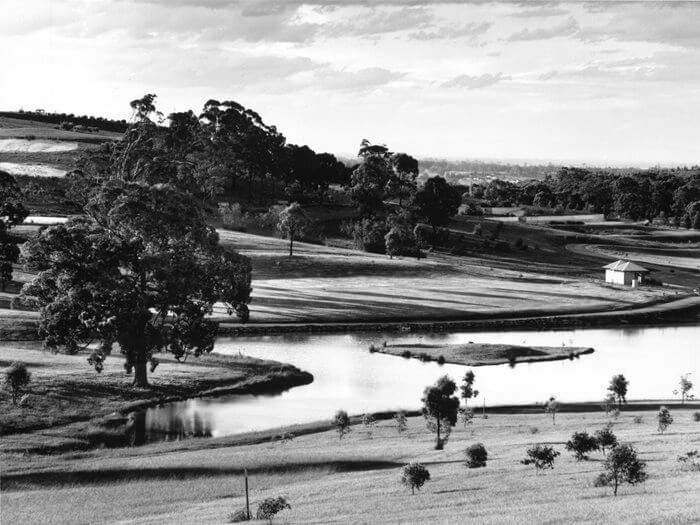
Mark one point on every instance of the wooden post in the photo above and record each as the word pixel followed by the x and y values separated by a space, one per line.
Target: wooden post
pixel 483 410
pixel 247 501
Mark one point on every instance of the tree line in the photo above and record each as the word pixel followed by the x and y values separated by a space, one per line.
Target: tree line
pixel 663 194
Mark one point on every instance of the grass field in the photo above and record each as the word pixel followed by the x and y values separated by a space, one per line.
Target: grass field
pixel 356 479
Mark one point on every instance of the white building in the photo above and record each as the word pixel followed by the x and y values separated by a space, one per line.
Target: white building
pixel 625 273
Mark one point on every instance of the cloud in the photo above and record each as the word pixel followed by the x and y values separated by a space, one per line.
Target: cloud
pixel 361 80
pixel 379 21
pixel 569 27
pixel 471 31
pixel 475 81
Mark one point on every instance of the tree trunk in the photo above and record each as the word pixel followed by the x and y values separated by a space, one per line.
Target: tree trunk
pixel 615 489
pixel 291 244
pixel 140 369
pixel 437 443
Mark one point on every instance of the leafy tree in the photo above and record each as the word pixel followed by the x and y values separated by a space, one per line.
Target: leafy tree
pixel 685 386
pixel 142 268
pixel 270 507
pixel 476 455
pixel 551 406
pixel 17 377
pixel 606 438
pixel 369 422
pixel 293 223
pixel 542 456
pixel 581 443
pixel 440 409
pixel 369 234
pixel 341 422
pixel 622 466
pixel 402 180
pixel 400 239
pixel 414 475
pixel 437 201
pixel 401 422
pixel 618 387
pixel 664 418
pixel 467 390
pixel 12 213
pixel 369 180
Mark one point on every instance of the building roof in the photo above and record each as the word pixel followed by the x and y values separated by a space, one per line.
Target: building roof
pixel 625 266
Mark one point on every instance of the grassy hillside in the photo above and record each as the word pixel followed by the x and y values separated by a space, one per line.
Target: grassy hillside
pixel 356 479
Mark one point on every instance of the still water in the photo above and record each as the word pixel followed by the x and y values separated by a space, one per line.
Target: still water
pixel 348 377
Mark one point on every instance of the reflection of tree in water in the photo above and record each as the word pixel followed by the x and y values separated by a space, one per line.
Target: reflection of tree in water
pixel 170 422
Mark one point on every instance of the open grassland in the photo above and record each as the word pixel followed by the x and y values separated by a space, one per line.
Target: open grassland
pixel 356 479
pixel 325 284
pixel 65 390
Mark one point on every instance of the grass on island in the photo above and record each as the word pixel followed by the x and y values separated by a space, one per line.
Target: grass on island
pixel 356 479
pixel 480 354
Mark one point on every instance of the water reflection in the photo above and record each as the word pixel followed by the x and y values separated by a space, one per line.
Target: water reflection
pixel 347 376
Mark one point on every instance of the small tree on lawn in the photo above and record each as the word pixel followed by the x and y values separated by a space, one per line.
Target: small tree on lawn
pixel 440 409
pixel 341 422
pixel 622 466
pixel 551 406
pixel 467 390
pixel 664 418
pixel 476 455
pixel 293 222
pixel 606 438
pixel 400 420
pixel 16 378
pixel 438 202
pixel 685 385
pixel 618 387
pixel 581 443
pixel 414 475
pixel 270 507
pixel 369 423
pixel 542 456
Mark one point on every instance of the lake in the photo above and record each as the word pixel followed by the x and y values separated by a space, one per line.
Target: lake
pixel 348 377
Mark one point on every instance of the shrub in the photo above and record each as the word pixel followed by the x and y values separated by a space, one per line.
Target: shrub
pixel 424 357
pixel 16 378
pixel 534 430
pixel 373 349
pixel 637 419
pixel 414 475
pixel 401 422
pixel 542 456
pixel 441 360
pixel 551 406
pixel 476 455
pixel 238 516
pixel 622 466
pixel 685 385
pixel 606 438
pixel 580 444
pixel 406 354
pixel 270 507
pixel 664 418
pixel 341 422
pixel 466 415
pixel 696 417
pixel 689 461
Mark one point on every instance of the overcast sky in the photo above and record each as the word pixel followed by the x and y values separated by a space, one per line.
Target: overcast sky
pixel 601 82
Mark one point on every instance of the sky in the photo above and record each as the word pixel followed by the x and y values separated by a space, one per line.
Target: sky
pixel 595 82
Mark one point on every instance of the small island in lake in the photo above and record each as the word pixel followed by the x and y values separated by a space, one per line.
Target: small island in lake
pixel 481 354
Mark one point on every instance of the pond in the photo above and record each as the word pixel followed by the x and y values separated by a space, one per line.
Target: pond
pixel 348 377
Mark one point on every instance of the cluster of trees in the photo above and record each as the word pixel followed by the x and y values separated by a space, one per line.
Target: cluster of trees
pixel 118 126
pixel 638 195
pixel 12 213
pixel 142 267
pixel 390 202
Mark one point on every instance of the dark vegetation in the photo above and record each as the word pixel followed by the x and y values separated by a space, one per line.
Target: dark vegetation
pixel 101 123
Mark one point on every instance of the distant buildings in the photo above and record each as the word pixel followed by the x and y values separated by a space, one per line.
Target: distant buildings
pixel 626 273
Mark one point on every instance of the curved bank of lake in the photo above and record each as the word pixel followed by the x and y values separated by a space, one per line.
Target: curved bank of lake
pixel 347 376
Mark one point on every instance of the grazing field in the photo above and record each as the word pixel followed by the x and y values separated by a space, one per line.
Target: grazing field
pixel 356 479
pixel 482 354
